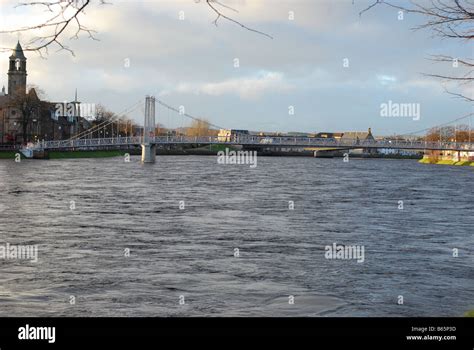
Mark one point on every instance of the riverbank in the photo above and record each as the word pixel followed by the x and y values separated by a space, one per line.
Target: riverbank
pixel 446 162
pixel 469 313
pixel 212 150
pixel 71 154
pixel 7 154
pixel 87 154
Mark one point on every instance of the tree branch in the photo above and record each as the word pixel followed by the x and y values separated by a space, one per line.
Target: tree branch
pixel 220 14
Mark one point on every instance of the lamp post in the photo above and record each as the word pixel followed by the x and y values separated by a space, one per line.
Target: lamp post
pixel 469 138
pixel 24 125
pixel 35 121
pixel 4 123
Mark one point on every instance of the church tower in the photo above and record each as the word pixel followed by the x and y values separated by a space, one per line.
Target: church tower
pixel 17 71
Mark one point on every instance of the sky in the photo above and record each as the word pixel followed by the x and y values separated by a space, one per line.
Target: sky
pixel 327 69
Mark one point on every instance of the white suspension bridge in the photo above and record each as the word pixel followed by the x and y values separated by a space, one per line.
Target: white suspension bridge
pixel 149 141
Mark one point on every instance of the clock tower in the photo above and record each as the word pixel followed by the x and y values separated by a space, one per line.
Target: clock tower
pixel 17 71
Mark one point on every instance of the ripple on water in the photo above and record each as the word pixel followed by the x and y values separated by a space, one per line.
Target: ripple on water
pixel 126 207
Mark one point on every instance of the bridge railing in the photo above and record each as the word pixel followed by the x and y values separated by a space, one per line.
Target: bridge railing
pixel 78 143
pixel 315 142
pixel 283 141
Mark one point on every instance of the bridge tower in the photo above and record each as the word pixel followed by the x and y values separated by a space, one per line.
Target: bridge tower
pixel 148 145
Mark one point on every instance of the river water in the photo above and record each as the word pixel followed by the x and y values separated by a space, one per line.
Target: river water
pixel 113 241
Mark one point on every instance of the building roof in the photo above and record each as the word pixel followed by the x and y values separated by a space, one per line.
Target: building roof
pixel 329 135
pixel 33 94
pixel 18 52
pixel 361 135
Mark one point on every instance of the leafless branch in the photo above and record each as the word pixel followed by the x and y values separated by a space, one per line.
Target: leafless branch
pixel 458 95
pixel 369 7
pixel 63 14
pixel 220 14
pixel 445 58
pixel 66 13
pixel 452 19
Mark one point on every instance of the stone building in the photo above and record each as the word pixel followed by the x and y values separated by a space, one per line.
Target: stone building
pixel 24 117
pixel 361 137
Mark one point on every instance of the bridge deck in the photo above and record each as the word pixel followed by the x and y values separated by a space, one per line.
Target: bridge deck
pixel 257 141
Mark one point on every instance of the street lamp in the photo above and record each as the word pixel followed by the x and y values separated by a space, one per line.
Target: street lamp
pixel 36 122
pixel 470 129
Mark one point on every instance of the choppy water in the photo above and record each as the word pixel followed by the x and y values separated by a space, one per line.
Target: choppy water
pixel 190 252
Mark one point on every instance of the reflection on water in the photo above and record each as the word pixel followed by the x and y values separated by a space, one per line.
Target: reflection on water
pixel 190 252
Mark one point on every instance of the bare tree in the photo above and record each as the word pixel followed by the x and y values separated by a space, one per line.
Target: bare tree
pixel 453 19
pixel 103 115
pixel 29 105
pixel 106 122
pixel 199 128
pixel 458 133
pixel 67 14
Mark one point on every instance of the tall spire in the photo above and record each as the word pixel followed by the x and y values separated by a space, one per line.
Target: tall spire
pixel 75 96
pixel 18 51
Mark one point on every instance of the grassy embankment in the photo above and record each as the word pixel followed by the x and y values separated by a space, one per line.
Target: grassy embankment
pixel 217 148
pixel 71 154
pixel 469 314
pixel 445 162
pixel 8 154
pixel 86 154
pixel 106 153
